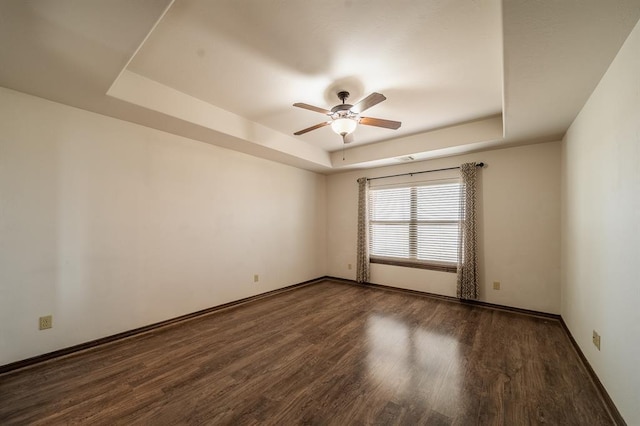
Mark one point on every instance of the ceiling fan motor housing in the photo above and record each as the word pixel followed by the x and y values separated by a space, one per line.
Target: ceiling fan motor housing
pixel 343 110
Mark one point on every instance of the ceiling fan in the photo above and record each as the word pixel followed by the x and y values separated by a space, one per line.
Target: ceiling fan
pixel 345 117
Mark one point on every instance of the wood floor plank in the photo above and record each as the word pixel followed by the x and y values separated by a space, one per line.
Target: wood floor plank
pixel 327 353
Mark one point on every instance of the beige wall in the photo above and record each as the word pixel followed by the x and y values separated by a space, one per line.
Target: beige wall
pixel 519 228
pixel 601 229
pixel 110 226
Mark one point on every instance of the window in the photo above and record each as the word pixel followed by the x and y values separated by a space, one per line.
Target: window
pixel 416 225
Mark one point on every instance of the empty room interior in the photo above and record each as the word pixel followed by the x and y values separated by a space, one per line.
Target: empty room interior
pixel 338 212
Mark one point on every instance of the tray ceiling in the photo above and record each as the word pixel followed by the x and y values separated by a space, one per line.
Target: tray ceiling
pixel 460 75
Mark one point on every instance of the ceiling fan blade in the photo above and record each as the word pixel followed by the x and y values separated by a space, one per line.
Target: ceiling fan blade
pixel 378 122
pixel 368 102
pixel 312 108
pixel 308 129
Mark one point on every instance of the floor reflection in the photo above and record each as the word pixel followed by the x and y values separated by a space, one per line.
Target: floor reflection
pixel 410 362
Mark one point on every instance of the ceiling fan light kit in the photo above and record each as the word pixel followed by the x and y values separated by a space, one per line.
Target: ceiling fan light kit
pixel 346 117
pixel 344 126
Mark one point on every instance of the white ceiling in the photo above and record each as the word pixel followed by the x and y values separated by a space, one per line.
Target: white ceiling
pixel 438 62
pixel 461 75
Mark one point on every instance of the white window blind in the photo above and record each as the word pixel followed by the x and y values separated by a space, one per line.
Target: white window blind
pixel 415 224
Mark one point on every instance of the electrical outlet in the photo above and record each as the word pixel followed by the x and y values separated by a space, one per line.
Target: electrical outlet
pixel 45 322
pixel 596 339
pixel 349 266
pixel 496 285
pixel 256 278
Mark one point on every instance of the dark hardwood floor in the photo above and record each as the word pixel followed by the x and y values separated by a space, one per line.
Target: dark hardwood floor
pixel 326 353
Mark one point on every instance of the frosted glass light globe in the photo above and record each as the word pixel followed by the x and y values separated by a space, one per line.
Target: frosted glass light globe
pixel 343 126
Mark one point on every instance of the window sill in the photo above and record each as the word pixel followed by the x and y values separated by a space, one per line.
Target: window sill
pixel 410 264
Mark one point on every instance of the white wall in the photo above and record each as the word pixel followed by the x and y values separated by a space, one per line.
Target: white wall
pixel 519 228
pixel 601 229
pixel 109 226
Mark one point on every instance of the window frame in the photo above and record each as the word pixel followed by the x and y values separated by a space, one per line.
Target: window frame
pixel 413 222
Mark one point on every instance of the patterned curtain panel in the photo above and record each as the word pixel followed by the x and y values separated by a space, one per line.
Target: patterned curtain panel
pixel 468 249
pixel 362 266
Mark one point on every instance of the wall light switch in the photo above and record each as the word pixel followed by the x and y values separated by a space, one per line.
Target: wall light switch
pixel 496 285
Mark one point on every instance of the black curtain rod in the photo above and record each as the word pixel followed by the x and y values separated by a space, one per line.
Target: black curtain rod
pixel 424 171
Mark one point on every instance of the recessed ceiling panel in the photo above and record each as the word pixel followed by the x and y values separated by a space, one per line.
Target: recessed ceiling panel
pixel 437 62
